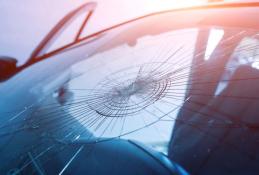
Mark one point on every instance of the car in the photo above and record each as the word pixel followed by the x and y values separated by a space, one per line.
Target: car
pixel 172 92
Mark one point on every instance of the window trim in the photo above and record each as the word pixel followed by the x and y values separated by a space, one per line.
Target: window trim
pixel 60 27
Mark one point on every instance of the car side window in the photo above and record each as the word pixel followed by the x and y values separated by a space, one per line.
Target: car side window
pixel 69 33
pixel 66 32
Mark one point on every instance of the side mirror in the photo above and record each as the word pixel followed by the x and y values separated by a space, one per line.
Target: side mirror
pixel 7 67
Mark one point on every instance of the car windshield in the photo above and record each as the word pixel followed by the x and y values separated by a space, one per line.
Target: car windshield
pixel 139 90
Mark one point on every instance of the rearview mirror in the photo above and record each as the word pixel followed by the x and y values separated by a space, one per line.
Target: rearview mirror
pixel 7 67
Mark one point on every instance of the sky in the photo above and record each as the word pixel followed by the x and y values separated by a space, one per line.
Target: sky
pixel 25 23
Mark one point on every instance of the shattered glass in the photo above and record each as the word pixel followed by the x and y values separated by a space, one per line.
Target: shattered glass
pixel 141 92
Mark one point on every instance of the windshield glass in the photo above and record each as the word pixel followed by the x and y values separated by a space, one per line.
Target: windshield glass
pixel 139 91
